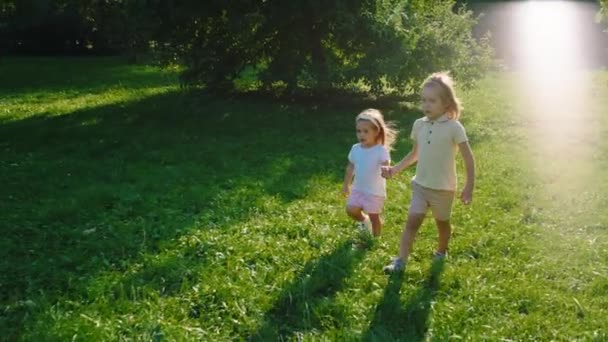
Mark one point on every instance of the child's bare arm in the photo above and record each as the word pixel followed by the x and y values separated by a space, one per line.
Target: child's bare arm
pixel 409 160
pixel 469 165
pixel 348 178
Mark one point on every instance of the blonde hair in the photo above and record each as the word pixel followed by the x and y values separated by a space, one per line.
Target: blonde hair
pixel 387 134
pixel 444 81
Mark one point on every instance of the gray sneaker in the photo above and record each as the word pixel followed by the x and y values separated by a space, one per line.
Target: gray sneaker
pixel 361 227
pixel 396 265
pixel 363 240
pixel 365 226
pixel 437 256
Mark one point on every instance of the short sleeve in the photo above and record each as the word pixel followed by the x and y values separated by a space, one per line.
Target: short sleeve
pixel 384 155
pixel 459 135
pixel 414 132
pixel 350 154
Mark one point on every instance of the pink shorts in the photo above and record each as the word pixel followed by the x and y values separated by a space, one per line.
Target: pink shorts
pixel 439 201
pixel 371 204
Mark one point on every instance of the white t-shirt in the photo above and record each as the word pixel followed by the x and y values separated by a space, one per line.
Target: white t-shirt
pixel 368 173
pixel 437 148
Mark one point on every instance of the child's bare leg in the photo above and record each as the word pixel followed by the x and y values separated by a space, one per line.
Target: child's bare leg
pixel 376 224
pixel 356 213
pixel 444 229
pixel 414 221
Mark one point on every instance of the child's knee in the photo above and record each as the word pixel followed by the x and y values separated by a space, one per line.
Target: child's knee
pixel 351 210
pixel 375 218
pixel 443 223
pixel 416 217
pixel 414 221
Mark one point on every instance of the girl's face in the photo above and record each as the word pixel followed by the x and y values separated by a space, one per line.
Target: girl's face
pixel 432 105
pixel 367 133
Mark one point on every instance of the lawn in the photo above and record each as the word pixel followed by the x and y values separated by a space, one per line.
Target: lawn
pixel 132 209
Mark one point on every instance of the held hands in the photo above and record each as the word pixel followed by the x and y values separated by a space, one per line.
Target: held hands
pixel 387 171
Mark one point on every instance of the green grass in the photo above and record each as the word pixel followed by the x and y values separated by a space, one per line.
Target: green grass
pixel 133 210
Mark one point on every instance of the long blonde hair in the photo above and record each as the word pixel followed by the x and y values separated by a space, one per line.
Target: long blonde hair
pixel 387 134
pixel 444 81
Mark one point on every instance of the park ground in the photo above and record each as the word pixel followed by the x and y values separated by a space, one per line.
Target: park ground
pixel 133 209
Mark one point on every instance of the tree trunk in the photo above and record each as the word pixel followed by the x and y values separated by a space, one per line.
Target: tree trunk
pixel 317 52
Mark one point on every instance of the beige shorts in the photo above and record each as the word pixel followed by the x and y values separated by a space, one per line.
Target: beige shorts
pixel 440 202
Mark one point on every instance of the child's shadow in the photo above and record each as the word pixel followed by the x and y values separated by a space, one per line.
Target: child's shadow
pixel 396 322
pixel 308 302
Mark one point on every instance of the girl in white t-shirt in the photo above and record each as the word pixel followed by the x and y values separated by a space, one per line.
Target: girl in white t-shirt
pixel 365 160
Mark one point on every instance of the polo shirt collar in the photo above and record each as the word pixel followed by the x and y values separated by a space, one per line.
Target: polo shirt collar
pixel 442 118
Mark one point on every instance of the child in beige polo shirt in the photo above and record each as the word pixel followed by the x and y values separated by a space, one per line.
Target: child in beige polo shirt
pixel 437 137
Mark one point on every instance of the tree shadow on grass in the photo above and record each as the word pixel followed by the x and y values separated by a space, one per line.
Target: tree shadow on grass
pixel 76 75
pixel 394 321
pixel 308 302
pixel 97 189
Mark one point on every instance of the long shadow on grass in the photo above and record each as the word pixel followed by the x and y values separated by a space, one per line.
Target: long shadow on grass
pixel 73 75
pixel 97 189
pixel 394 321
pixel 308 302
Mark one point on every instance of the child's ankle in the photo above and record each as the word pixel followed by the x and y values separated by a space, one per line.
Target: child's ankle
pixel 439 255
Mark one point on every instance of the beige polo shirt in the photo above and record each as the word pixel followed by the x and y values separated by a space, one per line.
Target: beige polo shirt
pixel 437 148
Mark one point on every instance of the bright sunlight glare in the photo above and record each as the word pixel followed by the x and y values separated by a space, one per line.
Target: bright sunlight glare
pixel 551 49
pixel 555 88
pixel 547 33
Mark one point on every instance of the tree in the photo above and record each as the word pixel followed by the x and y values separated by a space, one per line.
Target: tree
pixel 310 45
pixel 123 25
pixel 75 26
pixel 317 45
pixel 43 26
pixel 604 11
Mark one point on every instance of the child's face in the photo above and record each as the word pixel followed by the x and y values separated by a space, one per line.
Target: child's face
pixel 432 105
pixel 367 133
